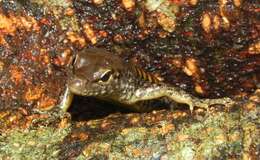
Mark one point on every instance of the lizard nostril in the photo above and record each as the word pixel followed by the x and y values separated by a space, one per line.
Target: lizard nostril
pixel 77 82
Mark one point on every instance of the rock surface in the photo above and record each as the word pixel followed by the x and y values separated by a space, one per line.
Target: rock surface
pixel 209 48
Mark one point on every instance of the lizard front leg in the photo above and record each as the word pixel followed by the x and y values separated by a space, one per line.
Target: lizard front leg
pixel 66 99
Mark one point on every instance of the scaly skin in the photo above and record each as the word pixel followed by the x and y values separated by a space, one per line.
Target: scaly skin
pixel 105 76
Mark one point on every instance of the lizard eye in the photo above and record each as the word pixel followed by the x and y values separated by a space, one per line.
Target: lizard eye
pixel 105 76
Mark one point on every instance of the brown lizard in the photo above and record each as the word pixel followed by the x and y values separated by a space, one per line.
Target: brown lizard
pixel 105 76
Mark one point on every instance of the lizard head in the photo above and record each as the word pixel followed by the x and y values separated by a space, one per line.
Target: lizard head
pixel 95 73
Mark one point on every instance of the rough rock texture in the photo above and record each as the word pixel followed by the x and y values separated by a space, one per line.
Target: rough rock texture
pixel 209 48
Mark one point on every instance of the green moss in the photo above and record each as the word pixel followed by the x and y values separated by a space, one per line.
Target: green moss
pixel 33 144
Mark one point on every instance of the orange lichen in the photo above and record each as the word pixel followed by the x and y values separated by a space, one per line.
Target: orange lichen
pixel 66 56
pixel 31 118
pixel 80 136
pixel 216 22
pixel 177 62
pixel 9 24
pixel 118 38
pixel 75 38
pixel 16 74
pixel 221 138
pixel 33 93
pixel 89 32
pixel 182 137
pixel 179 114
pixel 222 10
pixel 1 66
pixel 167 23
pixel 254 48
pixel 136 151
pixel 250 106
pixel 63 59
pixel 46 103
pixel 237 3
pixel 98 2
pixel 64 123
pixel 69 11
pixel 226 23
pixel 103 33
pixel 234 136
pixel 141 20
pixel 199 89
pixel 193 2
pixel 44 57
pixel 167 129
pixel 191 67
pixel 135 120
pixel 128 4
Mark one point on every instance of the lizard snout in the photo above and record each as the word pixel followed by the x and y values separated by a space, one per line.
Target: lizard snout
pixel 77 85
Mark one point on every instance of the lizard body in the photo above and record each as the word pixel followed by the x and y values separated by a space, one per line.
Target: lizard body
pixel 100 74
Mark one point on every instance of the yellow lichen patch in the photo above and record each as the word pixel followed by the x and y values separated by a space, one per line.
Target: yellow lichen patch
pixel 141 20
pixel 206 22
pixel 199 89
pixel 250 106
pixel 1 66
pixel 96 148
pixel 135 120
pixel 179 114
pixel 4 114
pixel 6 24
pixel 135 152
pixel 167 128
pixel 167 23
pixel 221 138
pixel 16 74
pixel 256 96
pixel 46 103
pixel 234 136
pixel 89 32
pixel 182 137
pixel 98 2
pixel 33 93
pixel 191 68
pixel 13 118
pixel 216 22
pixel 64 123
pixel 226 23
pixel 75 38
pixel 3 41
pixel 254 48
pixel 128 4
